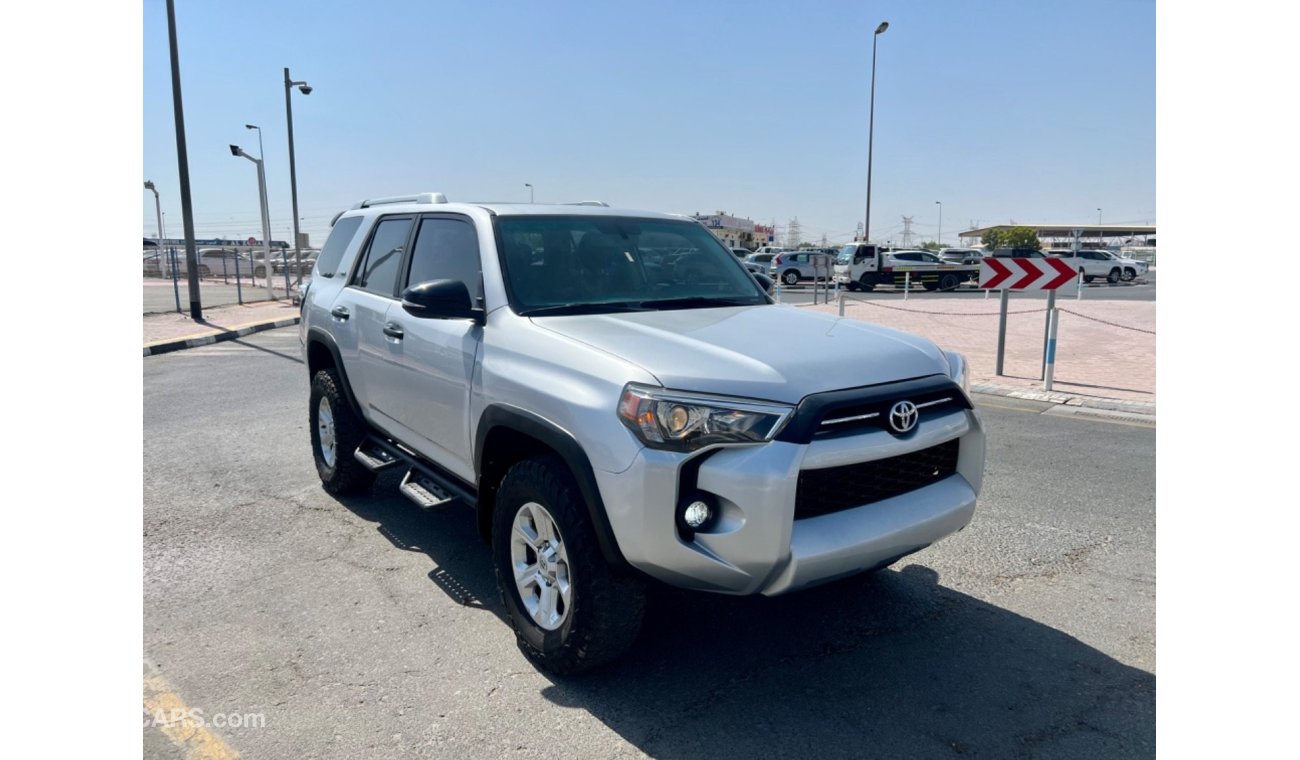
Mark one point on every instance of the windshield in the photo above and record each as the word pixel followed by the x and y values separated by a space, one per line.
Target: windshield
pixel 846 255
pixel 593 264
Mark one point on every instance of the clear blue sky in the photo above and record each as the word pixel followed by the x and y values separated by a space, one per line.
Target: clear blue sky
pixel 1024 110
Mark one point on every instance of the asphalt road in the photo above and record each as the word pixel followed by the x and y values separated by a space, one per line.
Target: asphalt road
pixel 1143 290
pixel 366 628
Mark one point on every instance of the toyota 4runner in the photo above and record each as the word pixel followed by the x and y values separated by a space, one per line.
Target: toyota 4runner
pixel 620 402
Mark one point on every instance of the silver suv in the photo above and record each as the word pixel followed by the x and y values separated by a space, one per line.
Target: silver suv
pixel 621 403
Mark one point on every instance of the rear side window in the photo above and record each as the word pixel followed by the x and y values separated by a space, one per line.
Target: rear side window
pixel 378 273
pixel 338 241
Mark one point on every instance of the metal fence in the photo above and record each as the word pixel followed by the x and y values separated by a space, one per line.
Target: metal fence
pixel 225 277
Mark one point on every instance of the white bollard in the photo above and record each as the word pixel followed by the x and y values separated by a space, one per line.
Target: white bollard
pixel 907 284
pixel 1048 370
pixel 1078 292
pixel 841 299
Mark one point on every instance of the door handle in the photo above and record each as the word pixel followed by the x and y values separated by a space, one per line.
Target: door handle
pixel 340 312
pixel 394 331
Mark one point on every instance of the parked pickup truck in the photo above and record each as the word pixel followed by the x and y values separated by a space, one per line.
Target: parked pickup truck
pixel 615 418
pixel 863 266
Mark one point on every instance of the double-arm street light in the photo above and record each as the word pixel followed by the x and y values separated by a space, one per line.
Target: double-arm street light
pixel 871 129
pixel 305 89
pixel 939 237
pixel 530 191
pixel 235 150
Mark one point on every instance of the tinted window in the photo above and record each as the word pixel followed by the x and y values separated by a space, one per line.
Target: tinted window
pixel 340 237
pixel 384 257
pixel 445 249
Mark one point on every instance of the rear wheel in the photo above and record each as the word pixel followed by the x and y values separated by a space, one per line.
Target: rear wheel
pixel 851 285
pixel 949 282
pixel 1088 278
pixel 1113 277
pixel 570 611
pixel 335 434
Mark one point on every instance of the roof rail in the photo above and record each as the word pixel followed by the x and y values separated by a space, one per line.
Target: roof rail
pixel 602 204
pixel 425 198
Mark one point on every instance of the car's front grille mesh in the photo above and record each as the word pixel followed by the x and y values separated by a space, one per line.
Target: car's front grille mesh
pixel 832 489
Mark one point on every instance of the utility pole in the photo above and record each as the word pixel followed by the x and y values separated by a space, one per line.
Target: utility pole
pixel 182 159
pixel 907 232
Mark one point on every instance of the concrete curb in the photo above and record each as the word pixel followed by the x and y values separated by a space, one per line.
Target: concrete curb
pixel 206 340
pixel 1140 408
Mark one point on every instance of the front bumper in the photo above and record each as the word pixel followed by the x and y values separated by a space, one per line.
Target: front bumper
pixel 756 545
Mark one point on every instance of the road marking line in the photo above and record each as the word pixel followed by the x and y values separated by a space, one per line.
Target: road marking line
pixel 196 741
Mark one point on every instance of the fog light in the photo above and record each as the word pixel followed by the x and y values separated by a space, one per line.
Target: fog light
pixel 697 513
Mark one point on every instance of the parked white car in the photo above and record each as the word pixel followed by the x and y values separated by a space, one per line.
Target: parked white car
pixel 1094 264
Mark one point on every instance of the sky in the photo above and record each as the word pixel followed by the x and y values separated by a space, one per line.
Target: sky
pixel 1001 110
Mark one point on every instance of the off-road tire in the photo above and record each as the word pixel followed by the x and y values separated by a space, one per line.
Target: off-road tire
pixel 607 607
pixel 1113 277
pixel 1128 275
pixel 1088 278
pixel 346 475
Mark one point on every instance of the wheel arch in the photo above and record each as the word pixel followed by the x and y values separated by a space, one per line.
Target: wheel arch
pixel 507 435
pixel 323 353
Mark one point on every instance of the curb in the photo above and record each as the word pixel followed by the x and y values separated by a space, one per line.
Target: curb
pixel 184 343
pixel 1141 408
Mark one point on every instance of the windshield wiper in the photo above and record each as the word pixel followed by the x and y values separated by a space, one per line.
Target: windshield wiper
pixel 580 308
pixel 698 301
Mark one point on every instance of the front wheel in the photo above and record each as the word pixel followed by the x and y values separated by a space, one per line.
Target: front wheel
pixel 949 282
pixel 570 610
pixel 866 284
pixel 851 285
pixel 1128 275
pixel 1088 278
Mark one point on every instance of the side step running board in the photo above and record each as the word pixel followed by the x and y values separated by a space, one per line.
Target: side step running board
pixel 424 491
pixel 374 458
pixel 425 483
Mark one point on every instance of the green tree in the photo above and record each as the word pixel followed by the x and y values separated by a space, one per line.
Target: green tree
pixel 1012 237
pixel 930 245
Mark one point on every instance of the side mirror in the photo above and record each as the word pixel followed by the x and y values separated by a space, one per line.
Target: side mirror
pixel 764 282
pixel 439 299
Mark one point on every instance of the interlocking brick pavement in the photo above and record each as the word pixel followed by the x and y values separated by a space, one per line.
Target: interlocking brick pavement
pixel 1092 359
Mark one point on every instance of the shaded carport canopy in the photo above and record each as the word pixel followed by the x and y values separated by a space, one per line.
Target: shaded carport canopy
pixel 1067 230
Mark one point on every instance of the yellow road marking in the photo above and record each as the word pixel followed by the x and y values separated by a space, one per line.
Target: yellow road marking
pixel 197 741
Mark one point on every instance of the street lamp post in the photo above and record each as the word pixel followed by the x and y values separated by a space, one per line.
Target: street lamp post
pixel 235 150
pixel 1099 245
pixel 939 238
pixel 305 89
pixel 530 191
pixel 261 156
pixel 157 207
pixel 871 129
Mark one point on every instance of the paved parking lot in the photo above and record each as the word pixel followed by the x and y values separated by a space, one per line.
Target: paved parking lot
pixel 364 627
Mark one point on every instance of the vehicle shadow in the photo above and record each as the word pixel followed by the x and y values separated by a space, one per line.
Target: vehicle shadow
pixel 889 665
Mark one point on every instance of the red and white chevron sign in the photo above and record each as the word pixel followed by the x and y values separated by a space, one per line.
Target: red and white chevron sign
pixel 1025 274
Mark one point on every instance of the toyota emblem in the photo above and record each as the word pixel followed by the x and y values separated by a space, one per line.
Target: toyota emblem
pixel 902 416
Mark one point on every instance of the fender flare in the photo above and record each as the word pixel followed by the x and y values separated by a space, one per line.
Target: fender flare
pixel 497 416
pixel 318 336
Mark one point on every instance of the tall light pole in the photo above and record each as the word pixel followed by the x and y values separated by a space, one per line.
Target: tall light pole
pixel 530 191
pixel 871 129
pixel 305 89
pixel 235 150
pixel 1099 245
pixel 163 268
pixel 940 236
pixel 261 156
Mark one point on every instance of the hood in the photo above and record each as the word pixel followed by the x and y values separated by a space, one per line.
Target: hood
pixel 776 353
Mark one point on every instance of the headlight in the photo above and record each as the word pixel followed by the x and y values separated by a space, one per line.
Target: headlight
pixel 957 370
pixel 681 421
